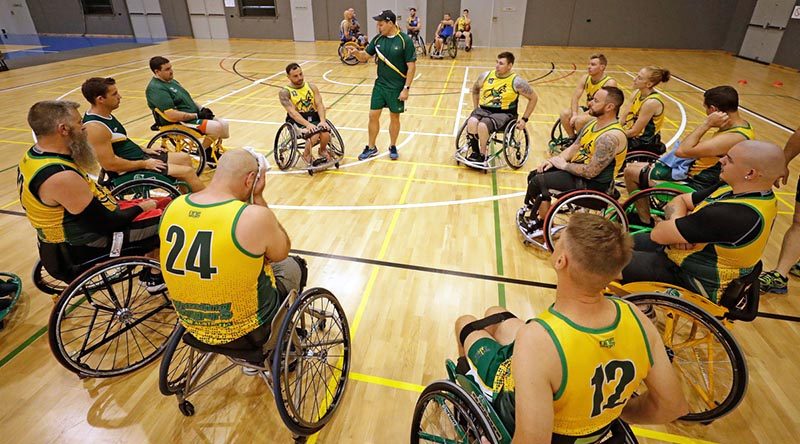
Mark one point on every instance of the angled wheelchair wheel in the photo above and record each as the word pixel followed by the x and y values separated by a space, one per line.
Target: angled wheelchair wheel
pixel 145 189
pixel 583 201
pixel 178 141
pixel 707 358
pixel 179 361
pixel 107 324
pixel 446 413
pixel 419 45
pixel 462 143
pixel 286 151
pixel 633 157
pixel 452 47
pixel 515 145
pixel 45 282
pixel 558 139
pixel 651 201
pixel 336 145
pixel 311 361
pixel 348 59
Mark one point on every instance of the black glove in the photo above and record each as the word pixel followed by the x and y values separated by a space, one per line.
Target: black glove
pixel 205 114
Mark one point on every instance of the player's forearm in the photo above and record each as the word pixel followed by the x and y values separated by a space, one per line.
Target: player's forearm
pixel 532 99
pixel 117 164
pixel 691 141
pixel 294 114
pixel 646 409
pixel 179 116
pixel 412 70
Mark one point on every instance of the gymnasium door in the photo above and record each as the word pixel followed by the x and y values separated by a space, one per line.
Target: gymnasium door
pixel 496 23
pixel 400 8
pixel 302 20
pixel 765 31
pixel 146 19
pixel 15 18
pixel 208 19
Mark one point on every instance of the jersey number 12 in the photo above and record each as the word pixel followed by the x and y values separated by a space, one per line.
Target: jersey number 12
pixel 607 374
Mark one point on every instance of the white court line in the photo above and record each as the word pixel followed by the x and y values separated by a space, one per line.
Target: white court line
pixel 325 76
pixel 457 120
pixel 682 126
pixel 743 109
pixel 363 130
pixel 346 165
pixel 396 206
pixel 254 83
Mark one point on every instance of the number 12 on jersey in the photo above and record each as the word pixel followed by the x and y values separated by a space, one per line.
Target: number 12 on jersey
pixel 606 374
pixel 198 259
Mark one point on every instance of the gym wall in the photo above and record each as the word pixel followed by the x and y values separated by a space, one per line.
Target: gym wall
pixel 176 18
pixel 328 17
pixel 789 50
pixel 279 27
pixel 66 17
pixel 435 11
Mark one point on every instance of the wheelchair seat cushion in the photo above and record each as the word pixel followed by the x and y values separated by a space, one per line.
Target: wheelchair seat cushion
pixel 249 347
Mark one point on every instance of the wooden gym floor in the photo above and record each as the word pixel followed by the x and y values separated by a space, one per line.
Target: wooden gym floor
pixel 422 217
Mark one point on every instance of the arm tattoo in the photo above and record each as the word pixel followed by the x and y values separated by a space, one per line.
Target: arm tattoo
pixel 605 149
pixel 286 101
pixel 669 210
pixel 522 86
pixel 476 87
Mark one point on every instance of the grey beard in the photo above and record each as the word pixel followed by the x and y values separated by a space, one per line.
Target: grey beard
pixel 83 154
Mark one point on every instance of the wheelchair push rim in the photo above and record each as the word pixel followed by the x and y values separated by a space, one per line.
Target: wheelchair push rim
pixel 45 282
pixel 656 199
pixel 106 324
pixel 286 151
pixel 515 145
pixel 178 141
pixel 313 343
pixel 707 358
pixel 149 188
pixel 445 413
pixel 579 200
pixel 348 60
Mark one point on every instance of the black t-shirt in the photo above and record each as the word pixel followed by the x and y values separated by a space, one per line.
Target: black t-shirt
pixel 720 223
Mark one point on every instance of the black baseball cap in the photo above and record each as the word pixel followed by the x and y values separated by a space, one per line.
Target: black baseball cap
pixel 387 16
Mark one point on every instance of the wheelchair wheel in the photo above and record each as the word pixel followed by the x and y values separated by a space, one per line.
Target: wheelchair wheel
pixel 286 151
pixel 419 45
pixel 178 359
pixel 515 145
pixel 145 189
pixel 45 283
pixel 311 362
pixel 106 324
pixel 336 144
pixel 452 47
pixel 707 358
pixel 462 144
pixel 177 141
pixel 446 413
pixel 558 139
pixel 652 200
pixel 633 157
pixel 585 201
pixel 351 59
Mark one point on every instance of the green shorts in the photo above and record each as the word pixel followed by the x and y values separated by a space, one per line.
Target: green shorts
pixel 485 358
pixel 383 97
pixel 660 171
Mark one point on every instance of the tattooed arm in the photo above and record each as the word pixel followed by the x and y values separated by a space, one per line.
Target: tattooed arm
pixel 605 148
pixel 476 89
pixel 286 101
pixel 524 89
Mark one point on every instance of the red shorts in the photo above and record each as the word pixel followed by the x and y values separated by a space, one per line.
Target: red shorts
pixel 161 203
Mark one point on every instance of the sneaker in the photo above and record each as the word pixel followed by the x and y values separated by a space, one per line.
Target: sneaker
pixel 392 152
pixel 795 270
pixel 773 282
pixel 210 158
pixel 367 153
pixel 153 283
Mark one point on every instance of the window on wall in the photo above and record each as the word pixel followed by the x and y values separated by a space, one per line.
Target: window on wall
pixel 97 7
pixel 258 8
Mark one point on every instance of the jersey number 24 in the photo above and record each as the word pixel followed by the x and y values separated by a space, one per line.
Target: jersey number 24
pixel 198 259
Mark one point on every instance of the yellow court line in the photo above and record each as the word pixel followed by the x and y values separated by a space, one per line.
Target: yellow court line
pixel 432 181
pixel 444 88
pixel 26 130
pixel 386 382
pixel 10 204
pixel 16 142
pixel 668 437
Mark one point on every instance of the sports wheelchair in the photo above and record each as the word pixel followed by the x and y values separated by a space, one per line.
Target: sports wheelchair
pixel 695 331
pixel 63 270
pixel 456 411
pixel 513 147
pixel 449 45
pixel 309 340
pixel 13 280
pixel 349 59
pixel 419 43
pixel 291 140
pixel 177 138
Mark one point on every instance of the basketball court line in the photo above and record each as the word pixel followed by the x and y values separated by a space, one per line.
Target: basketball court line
pixel 325 76
pixel 682 127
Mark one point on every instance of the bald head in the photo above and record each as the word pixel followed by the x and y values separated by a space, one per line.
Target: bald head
pixel 755 161
pixel 235 164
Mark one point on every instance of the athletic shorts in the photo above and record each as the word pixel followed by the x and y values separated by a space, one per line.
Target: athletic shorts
pixel 197 124
pixel 383 97
pixel 659 171
pixel 312 117
pixel 485 357
pixel 494 121
pixel 164 157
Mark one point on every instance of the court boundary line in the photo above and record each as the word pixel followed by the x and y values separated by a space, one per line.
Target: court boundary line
pixel 679 132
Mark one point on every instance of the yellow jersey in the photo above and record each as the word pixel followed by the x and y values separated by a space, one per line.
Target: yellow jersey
pixel 600 368
pixel 653 127
pixel 587 139
pixel 302 98
pixel 499 93
pixel 591 87
pixel 461 24
pixel 710 166
pixel 220 290
pixel 716 265
pixel 54 224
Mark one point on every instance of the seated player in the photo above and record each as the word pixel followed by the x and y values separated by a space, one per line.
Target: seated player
pixel 350 29
pixel 116 153
pixel 574 118
pixel 76 220
pixel 413 23
pixel 567 375
pixel 171 103
pixel 717 234
pixel 304 108
pixel 591 162
pixel 643 116
pixel 443 31
pixel 463 27
pixel 495 96
pixel 226 258
pixel 722 106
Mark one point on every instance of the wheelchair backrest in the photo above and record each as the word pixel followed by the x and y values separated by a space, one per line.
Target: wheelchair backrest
pixel 741 296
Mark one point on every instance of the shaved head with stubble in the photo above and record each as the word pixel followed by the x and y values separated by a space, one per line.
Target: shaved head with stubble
pixel 752 164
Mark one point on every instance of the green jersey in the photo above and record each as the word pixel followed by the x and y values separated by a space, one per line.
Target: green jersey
pixel 123 146
pixel 163 95
pixel 394 53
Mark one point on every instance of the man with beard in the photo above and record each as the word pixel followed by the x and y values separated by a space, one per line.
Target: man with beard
pixel 574 118
pixel 304 108
pixel 76 220
pixel 591 162
pixel 117 153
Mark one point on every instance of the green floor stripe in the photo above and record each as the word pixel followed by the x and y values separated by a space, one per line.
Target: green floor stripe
pixel 498 244
pixel 22 346
pixel 344 95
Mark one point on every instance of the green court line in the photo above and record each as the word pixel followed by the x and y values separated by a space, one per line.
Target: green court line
pixel 498 244
pixel 22 346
